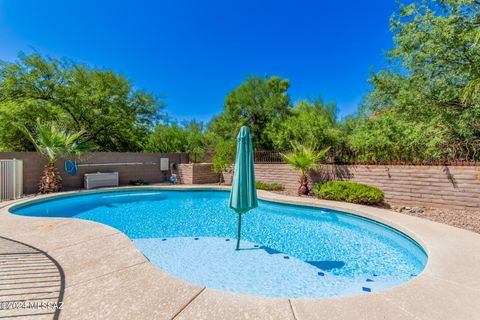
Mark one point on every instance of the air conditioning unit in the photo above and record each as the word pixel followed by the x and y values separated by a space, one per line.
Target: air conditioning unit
pixel 100 179
pixel 11 179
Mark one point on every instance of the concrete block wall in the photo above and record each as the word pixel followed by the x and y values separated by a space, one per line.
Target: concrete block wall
pixel 280 173
pixel 227 177
pixel 443 186
pixel 185 173
pixel 197 173
pixel 33 164
pixel 447 186
pixel 203 173
pixel 148 171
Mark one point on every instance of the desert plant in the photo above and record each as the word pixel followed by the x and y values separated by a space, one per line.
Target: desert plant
pixel 54 142
pixel 269 186
pixel 349 192
pixel 304 159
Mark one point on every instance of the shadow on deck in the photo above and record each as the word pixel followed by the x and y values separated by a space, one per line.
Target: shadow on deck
pixel 32 283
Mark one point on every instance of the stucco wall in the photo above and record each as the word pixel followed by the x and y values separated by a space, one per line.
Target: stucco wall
pixel 149 170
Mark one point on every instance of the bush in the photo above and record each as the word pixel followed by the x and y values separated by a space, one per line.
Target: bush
pixel 349 192
pixel 224 157
pixel 269 186
pixel 138 182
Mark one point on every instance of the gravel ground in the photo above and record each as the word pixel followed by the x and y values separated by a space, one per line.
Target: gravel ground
pixel 460 218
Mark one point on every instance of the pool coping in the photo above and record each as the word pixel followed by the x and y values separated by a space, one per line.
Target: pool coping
pixel 99 259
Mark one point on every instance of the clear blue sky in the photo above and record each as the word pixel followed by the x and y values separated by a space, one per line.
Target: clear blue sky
pixel 194 52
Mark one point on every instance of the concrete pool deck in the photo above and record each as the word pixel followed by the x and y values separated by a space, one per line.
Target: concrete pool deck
pixel 100 274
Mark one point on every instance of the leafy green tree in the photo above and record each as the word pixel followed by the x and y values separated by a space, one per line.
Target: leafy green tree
pixel 433 60
pixel 173 137
pixel 223 159
pixel 256 103
pixel 386 135
pixel 472 90
pixel 54 142
pixel 311 123
pixel 304 158
pixel 196 143
pixel 167 138
pixel 113 114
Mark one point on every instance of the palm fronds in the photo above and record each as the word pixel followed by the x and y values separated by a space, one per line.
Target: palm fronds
pixel 55 142
pixel 304 158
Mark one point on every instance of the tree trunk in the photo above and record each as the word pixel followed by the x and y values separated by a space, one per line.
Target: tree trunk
pixel 222 179
pixel 50 180
pixel 303 189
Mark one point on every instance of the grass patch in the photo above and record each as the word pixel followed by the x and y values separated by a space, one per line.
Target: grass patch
pixel 349 192
pixel 269 186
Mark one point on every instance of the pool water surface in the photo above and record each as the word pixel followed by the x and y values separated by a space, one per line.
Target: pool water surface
pixel 286 250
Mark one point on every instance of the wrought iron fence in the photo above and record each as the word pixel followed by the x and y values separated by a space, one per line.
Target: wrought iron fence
pixel 461 153
pixel 265 156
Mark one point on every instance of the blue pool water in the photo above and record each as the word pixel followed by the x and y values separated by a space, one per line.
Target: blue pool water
pixel 287 251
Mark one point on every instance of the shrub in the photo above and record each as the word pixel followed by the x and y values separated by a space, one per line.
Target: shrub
pixel 269 186
pixel 138 182
pixel 349 192
pixel 224 158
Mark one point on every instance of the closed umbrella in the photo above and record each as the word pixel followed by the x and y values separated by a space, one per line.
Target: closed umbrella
pixel 243 196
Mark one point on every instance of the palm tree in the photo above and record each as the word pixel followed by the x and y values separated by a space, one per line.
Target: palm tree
pixel 304 159
pixel 54 142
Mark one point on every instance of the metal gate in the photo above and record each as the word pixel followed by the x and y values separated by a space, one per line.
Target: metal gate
pixel 11 179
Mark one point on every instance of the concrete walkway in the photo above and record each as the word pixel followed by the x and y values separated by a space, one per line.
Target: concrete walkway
pixel 106 277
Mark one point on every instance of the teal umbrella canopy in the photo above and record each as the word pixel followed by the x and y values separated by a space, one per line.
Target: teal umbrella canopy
pixel 243 196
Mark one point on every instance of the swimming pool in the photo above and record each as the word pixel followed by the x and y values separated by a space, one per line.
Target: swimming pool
pixel 288 251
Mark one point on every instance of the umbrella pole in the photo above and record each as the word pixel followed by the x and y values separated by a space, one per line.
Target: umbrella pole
pixel 239 230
